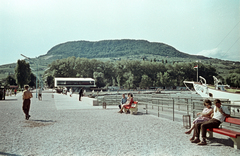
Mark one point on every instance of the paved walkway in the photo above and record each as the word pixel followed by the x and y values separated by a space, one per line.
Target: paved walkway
pixel 66 126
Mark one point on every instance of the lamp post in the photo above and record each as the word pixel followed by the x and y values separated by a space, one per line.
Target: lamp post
pixel 37 72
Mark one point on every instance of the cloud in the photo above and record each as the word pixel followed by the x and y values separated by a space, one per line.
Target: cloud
pixel 210 53
pixel 220 54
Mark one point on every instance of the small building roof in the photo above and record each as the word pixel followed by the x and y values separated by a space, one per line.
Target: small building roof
pixel 73 79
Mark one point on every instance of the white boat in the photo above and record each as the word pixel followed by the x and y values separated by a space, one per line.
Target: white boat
pixel 218 91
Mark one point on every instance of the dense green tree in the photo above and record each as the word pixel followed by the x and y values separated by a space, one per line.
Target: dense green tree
pixel 145 82
pixel 130 80
pixel 50 81
pixel 32 82
pixel 159 80
pixel 22 73
pixel 99 82
pixel 11 80
pixel 233 79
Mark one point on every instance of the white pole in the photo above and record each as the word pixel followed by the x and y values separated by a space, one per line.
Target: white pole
pixel 197 73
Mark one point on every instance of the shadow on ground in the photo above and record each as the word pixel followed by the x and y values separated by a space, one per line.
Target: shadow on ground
pixel 220 142
pixel 43 120
pixel 38 123
pixel 8 154
pixel 10 100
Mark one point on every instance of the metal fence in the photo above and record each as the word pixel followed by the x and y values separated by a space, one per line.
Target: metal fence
pixel 176 104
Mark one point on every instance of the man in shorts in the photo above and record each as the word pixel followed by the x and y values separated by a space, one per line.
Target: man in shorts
pixel 27 95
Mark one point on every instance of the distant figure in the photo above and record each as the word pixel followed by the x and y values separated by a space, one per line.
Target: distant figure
pixel 80 94
pixel 27 95
pixel 124 100
pixel 70 90
pixel 15 92
pixel 65 91
pixel 40 94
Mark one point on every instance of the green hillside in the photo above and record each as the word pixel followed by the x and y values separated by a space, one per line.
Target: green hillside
pixel 116 48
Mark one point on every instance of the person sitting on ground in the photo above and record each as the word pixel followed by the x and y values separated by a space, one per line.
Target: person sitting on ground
pixel 205 116
pixel 128 103
pixel 123 101
pixel 219 115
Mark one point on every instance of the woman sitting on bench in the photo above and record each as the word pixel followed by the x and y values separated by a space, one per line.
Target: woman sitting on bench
pixel 205 116
pixel 128 103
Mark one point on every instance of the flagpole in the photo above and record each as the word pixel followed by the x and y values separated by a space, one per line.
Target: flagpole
pixel 197 73
pixel 197 70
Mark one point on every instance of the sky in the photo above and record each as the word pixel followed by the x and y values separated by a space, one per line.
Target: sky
pixel 199 27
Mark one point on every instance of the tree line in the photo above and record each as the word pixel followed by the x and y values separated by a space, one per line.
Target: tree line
pixel 130 74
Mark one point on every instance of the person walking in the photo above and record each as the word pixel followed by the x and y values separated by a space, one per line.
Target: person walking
pixel 27 95
pixel 80 94
pixel 219 115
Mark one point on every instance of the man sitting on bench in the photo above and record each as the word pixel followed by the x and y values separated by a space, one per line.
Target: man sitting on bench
pixel 219 115
pixel 123 101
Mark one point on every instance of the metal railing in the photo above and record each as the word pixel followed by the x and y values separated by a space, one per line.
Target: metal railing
pixel 187 105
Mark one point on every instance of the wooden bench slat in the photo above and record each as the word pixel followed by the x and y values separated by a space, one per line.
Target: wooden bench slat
pixel 232 120
pixel 224 131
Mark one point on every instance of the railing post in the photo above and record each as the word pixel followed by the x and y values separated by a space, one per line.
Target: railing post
pixel 178 105
pixel 146 108
pixel 193 110
pixel 187 107
pixel 173 109
pixel 97 99
pixel 152 103
pixel 162 104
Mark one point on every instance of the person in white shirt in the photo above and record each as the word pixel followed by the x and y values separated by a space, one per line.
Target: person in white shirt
pixel 218 116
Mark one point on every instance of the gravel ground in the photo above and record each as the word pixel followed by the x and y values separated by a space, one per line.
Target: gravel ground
pixel 90 130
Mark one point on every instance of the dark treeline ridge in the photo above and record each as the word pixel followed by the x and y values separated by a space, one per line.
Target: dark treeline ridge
pixel 130 73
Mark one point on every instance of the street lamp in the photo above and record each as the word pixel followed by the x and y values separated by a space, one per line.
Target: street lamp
pixel 37 72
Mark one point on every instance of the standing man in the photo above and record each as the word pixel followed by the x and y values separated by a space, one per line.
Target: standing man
pixel 219 115
pixel 124 100
pixel 27 95
pixel 80 94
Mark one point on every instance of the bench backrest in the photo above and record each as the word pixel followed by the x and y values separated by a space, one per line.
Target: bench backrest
pixel 233 120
